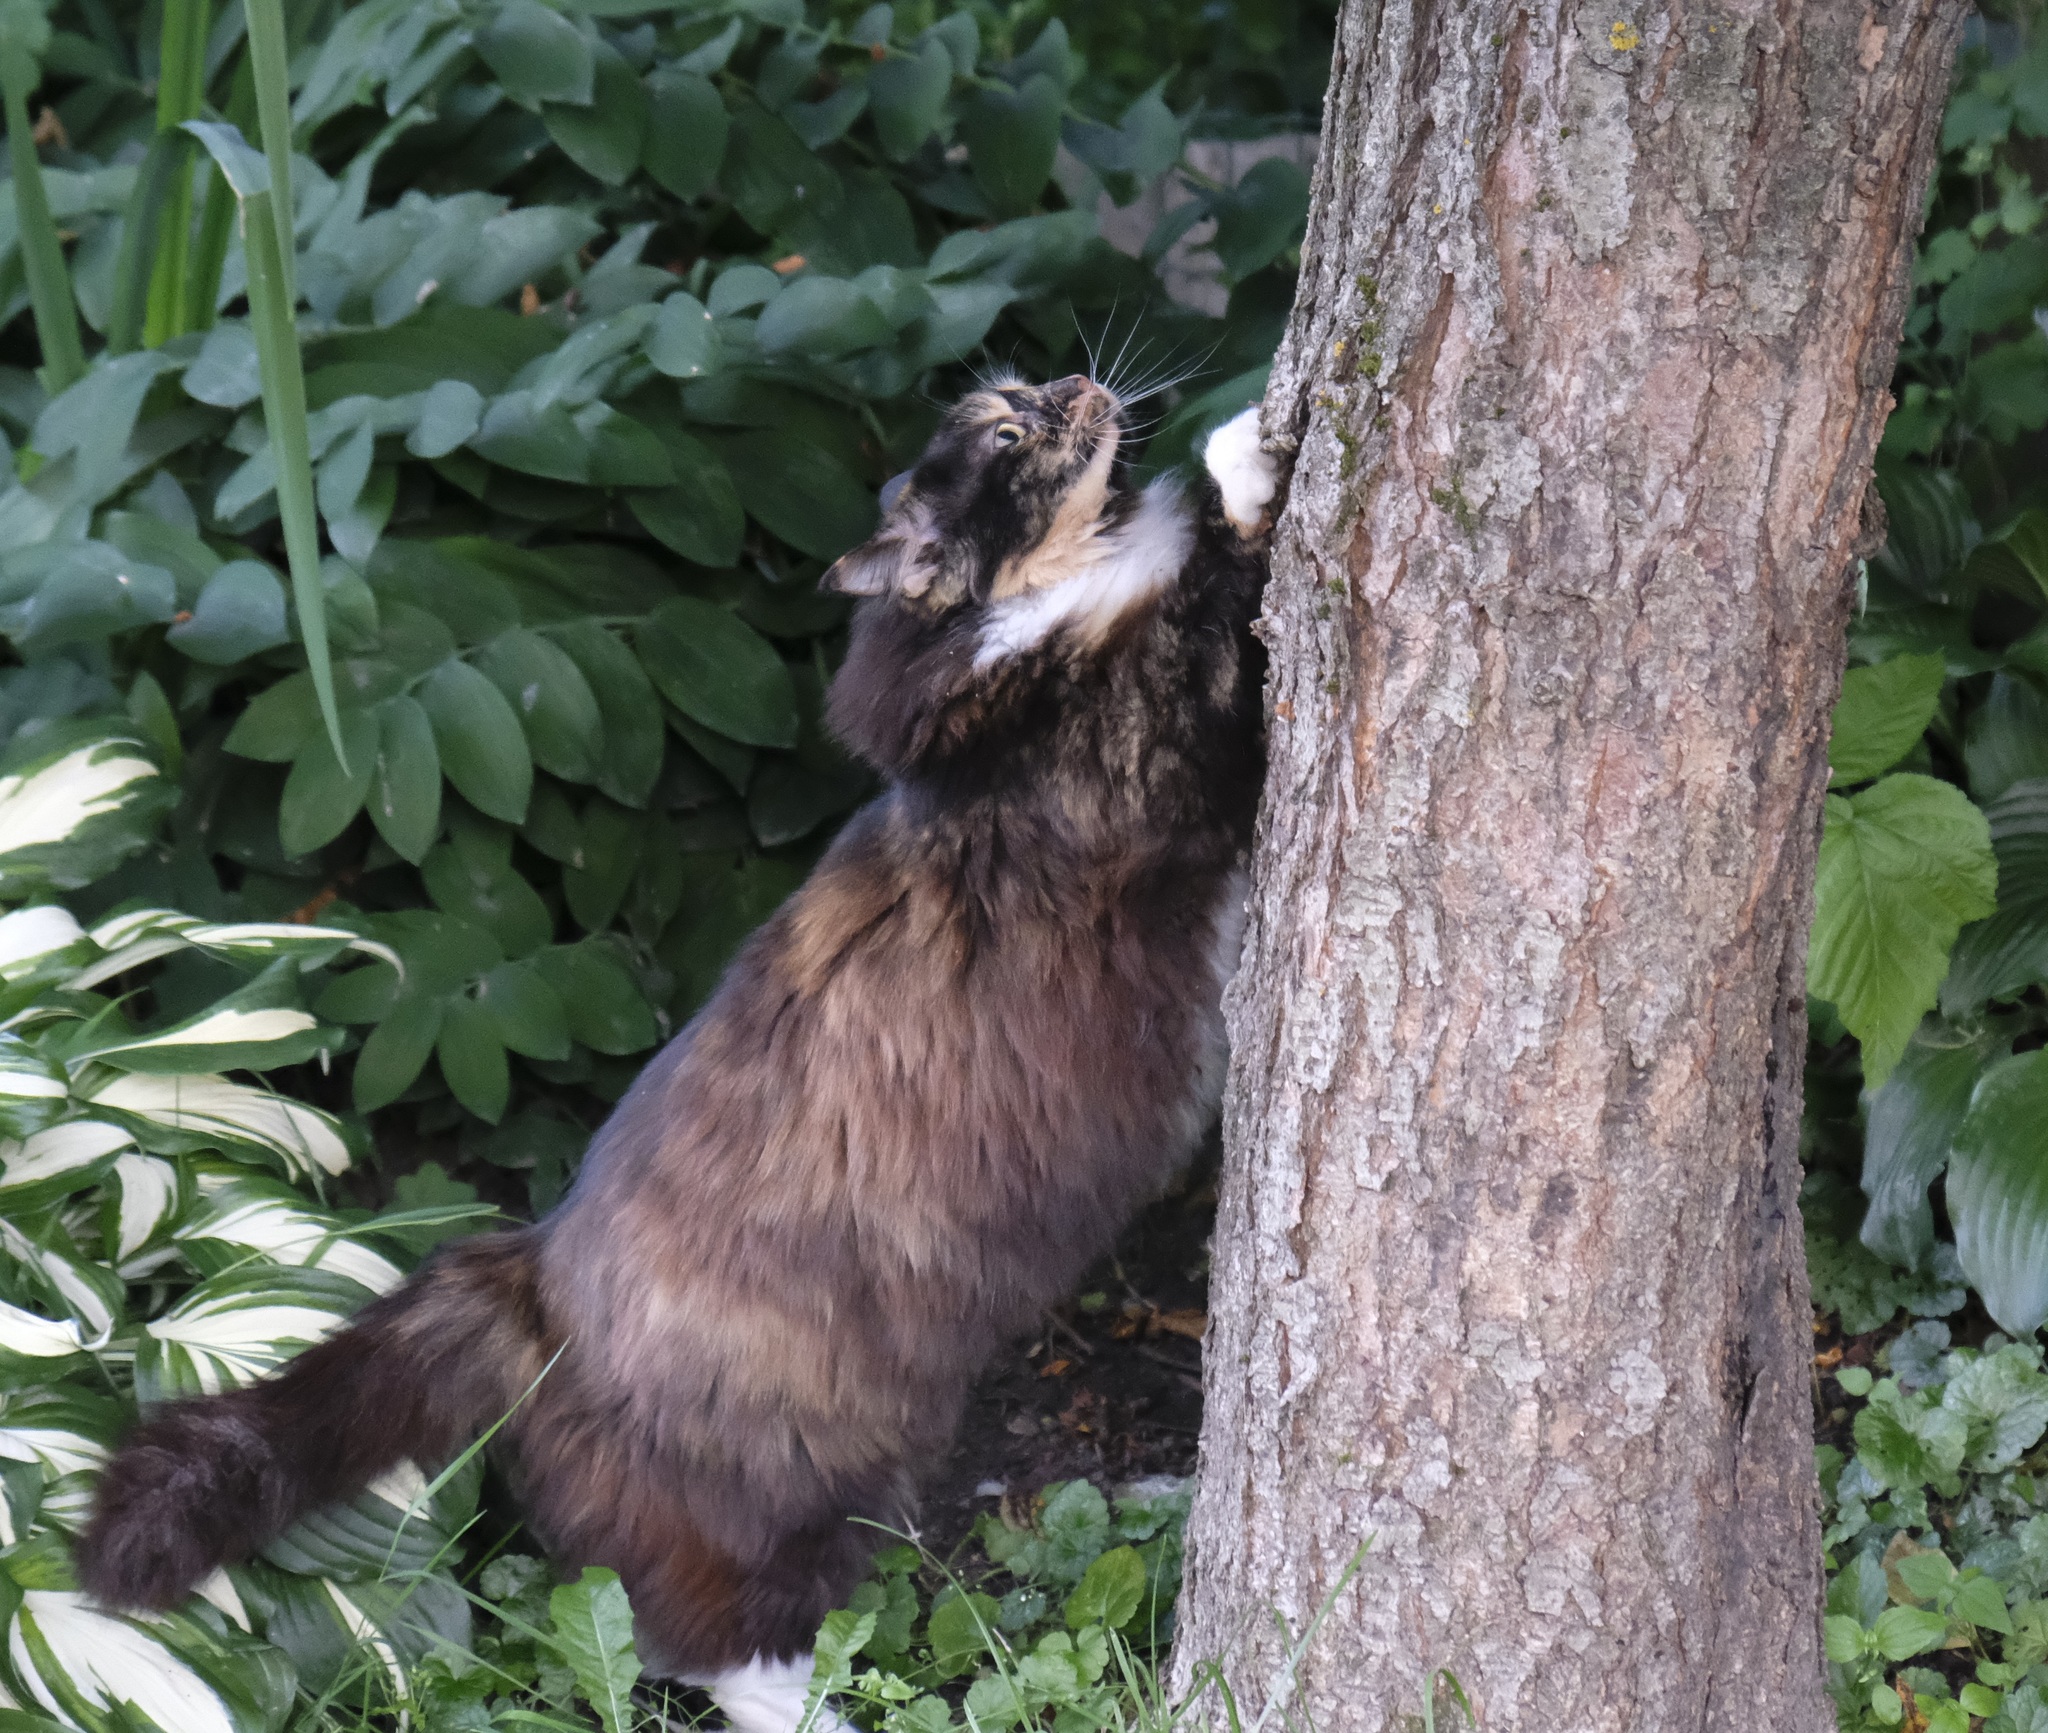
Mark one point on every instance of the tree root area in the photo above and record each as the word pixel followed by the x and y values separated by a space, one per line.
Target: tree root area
pixel 1108 1389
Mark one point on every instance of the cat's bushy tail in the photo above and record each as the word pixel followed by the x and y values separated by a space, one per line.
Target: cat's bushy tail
pixel 209 1480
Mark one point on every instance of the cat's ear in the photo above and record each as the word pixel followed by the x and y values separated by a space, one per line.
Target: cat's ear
pixel 900 558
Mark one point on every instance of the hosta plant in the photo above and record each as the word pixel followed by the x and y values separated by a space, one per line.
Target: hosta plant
pixel 161 1233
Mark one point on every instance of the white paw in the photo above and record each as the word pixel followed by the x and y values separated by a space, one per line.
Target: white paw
pixel 1246 475
pixel 766 1696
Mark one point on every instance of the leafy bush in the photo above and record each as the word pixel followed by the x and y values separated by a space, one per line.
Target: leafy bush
pixel 596 331
pixel 1938 1552
pixel 1930 942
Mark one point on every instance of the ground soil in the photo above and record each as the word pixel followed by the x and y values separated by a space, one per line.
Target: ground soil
pixel 1108 1390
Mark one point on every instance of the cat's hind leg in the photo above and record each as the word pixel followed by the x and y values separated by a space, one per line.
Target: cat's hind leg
pixel 768 1696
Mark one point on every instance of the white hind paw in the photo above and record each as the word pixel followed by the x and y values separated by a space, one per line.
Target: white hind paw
pixel 1245 473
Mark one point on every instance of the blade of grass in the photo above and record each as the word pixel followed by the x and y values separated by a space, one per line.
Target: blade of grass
pixel 170 156
pixel 284 402
pixel 267 58
pixel 24 34
pixel 217 219
pixel 180 94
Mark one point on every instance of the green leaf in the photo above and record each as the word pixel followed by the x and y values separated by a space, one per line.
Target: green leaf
pixel 822 316
pixel 907 96
pixel 719 671
pixel 1842 1637
pixel 483 889
pixel 684 338
pixel 593 1632
pixel 538 55
pixel 769 173
pixel 686 132
pixel 482 745
pixel 603 137
pixel 1908 1441
pixel 1902 866
pixel 1903 1632
pixel 473 1059
pixel 1012 137
pixel 1881 715
pixel 1912 1121
pixel 2007 738
pixel 1997 1192
pixel 959 1631
pixel 1110 1592
pixel 396 1052
pixel 700 517
pixel 321 795
pixel 630 761
pixel 526 1013
pixel 605 1007
pixel 240 612
pixel 405 781
pixel 801 492
pixel 276 724
pixel 554 702
pixel 1981 1602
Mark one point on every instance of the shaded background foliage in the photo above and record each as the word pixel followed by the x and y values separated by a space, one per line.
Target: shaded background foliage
pixel 613 317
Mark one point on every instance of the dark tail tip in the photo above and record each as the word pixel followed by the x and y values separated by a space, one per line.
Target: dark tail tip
pixel 196 1487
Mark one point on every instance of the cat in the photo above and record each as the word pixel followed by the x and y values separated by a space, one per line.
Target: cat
pixel 925 1096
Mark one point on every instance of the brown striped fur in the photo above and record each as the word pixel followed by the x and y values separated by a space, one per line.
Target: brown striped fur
pixel 926 1095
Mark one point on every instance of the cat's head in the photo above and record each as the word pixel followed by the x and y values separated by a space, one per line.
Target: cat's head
pixel 1015 484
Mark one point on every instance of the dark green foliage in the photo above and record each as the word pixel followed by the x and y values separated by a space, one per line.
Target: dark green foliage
pixel 609 322
pixel 1930 941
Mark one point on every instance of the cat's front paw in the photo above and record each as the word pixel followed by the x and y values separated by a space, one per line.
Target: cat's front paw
pixel 1246 474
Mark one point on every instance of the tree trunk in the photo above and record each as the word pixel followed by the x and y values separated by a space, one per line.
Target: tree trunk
pixel 1597 313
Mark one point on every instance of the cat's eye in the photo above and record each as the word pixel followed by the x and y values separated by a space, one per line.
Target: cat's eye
pixel 1009 433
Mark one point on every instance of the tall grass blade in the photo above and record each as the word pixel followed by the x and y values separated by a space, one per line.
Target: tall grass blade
pixel 284 401
pixel 217 217
pixel 180 95
pixel 267 58
pixel 24 34
pixel 170 156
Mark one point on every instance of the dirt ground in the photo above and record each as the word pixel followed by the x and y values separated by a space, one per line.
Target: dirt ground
pixel 1109 1390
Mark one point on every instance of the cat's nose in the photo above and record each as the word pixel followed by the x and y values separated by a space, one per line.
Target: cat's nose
pixel 1077 392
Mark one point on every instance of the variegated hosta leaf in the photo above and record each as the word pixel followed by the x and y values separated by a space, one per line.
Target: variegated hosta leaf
pixel 61 1427
pixel 271 1220
pixel 361 1632
pixel 57 1161
pixel 233 1329
pixel 33 1089
pixel 73 802
pixel 42 943
pixel 143 935
pixel 89 1292
pixel 87 1667
pixel 256 1027
pixel 140 1204
pixel 25 1335
pixel 391 1529
pixel 210 1112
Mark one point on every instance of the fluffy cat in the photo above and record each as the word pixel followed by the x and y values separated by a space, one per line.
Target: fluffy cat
pixel 925 1097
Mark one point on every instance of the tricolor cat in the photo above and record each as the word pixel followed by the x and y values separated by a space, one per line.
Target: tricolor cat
pixel 927 1094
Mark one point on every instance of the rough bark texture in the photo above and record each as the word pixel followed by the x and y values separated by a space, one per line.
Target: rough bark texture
pixel 1597 314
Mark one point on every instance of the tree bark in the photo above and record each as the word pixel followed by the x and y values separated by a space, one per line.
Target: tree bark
pixel 1598 309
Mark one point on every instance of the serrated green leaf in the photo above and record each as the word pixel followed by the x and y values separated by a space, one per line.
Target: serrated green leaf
pixel 593 1632
pixel 1882 713
pixel 1110 1593
pixel 1902 866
